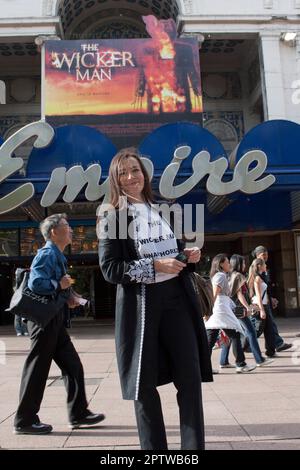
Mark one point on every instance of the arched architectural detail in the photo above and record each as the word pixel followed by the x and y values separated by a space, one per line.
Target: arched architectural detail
pixel 88 19
pixel 48 8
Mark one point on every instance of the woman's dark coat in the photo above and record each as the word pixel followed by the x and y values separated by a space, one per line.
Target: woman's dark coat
pixel 121 264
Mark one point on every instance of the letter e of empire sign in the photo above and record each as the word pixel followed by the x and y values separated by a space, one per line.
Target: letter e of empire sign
pixel 9 164
pixel 245 177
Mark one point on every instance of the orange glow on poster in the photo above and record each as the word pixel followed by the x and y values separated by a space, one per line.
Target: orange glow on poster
pixel 152 76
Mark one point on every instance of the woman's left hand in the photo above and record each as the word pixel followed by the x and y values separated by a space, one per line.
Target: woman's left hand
pixel 193 254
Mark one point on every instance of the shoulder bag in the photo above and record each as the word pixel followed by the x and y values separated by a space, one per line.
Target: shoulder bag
pixel 40 309
pixel 204 291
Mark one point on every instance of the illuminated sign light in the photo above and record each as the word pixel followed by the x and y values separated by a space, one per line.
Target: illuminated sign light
pixel 246 175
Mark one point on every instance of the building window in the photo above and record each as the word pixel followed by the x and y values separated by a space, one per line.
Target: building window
pixel 84 240
pixel 2 92
pixel 31 241
pixel 9 243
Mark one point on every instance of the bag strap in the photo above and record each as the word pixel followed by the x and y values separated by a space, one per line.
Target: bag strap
pixel 266 280
pixel 263 280
pixel 237 301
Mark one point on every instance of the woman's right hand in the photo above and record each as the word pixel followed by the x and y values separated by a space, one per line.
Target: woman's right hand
pixel 168 266
pixel 65 282
pixel 255 308
pixel 263 314
pixel 249 312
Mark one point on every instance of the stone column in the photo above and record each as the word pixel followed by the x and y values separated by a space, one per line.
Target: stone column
pixel 271 71
pixel 298 58
pixel 288 284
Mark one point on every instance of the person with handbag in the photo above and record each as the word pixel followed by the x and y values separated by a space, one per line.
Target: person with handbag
pixel 261 252
pixel 48 277
pixel 160 335
pixel 240 295
pixel 259 295
pixel 223 317
pixel 19 324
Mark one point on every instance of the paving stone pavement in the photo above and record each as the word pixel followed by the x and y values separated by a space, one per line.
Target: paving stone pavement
pixel 255 411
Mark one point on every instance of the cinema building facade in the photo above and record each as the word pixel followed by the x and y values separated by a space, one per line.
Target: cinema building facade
pixel 250 105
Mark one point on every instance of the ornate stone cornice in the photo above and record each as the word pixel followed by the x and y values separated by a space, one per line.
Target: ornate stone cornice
pixel 268 3
pixel 47 8
pixel 188 7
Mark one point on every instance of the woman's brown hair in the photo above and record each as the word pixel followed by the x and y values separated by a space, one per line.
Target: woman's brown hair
pixel 216 264
pixel 253 272
pixel 114 177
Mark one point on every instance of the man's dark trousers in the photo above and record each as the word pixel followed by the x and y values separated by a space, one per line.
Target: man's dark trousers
pixel 52 343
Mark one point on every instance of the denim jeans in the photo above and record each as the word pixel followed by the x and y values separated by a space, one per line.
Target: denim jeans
pixel 235 338
pixel 267 327
pixel 279 341
pixel 251 336
pixel 20 326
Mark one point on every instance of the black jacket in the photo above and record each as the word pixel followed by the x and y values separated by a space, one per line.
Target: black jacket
pixel 120 264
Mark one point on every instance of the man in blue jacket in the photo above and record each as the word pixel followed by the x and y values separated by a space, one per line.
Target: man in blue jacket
pixel 48 276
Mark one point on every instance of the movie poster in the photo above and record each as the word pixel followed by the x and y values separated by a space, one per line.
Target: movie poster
pixel 123 87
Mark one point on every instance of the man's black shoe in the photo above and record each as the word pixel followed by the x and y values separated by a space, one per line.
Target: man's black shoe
pixel 38 428
pixel 88 420
pixel 271 354
pixel 284 347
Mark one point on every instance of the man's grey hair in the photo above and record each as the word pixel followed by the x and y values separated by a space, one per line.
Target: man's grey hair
pixel 258 250
pixel 49 223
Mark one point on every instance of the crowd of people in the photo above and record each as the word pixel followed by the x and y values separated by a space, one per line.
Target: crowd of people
pixel 242 310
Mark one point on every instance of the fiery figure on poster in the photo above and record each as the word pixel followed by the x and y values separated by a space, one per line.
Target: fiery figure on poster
pixel 167 76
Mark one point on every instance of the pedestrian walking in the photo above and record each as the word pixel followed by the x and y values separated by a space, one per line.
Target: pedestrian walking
pixel 223 317
pixel 261 252
pixel 239 293
pixel 19 324
pixel 259 296
pixel 47 277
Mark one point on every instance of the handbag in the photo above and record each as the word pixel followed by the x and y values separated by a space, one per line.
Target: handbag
pixel 239 309
pixel 223 339
pixel 40 309
pixel 204 291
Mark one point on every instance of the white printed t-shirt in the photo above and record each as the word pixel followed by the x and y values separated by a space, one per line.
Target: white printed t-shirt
pixel 154 236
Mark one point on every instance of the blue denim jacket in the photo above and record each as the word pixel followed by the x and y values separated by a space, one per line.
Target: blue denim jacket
pixel 47 269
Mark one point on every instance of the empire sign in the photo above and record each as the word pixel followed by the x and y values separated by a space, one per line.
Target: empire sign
pixel 247 175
